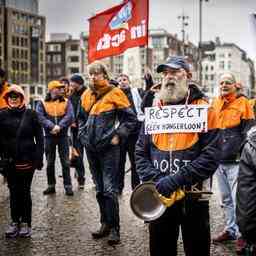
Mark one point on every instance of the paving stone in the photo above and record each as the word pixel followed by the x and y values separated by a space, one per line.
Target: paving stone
pixel 62 225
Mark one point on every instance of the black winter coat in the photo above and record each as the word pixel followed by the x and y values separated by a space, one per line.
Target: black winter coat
pixel 246 189
pixel 30 146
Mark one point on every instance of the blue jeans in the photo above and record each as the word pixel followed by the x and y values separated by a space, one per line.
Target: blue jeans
pixel 104 167
pixel 50 151
pixel 227 181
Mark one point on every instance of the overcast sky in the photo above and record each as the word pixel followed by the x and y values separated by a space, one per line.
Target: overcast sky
pixel 228 19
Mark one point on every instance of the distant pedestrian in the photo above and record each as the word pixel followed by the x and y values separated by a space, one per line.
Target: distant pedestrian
pixel 77 88
pixel 21 141
pixel 56 115
pixel 134 96
pixel 106 119
pixel 236 117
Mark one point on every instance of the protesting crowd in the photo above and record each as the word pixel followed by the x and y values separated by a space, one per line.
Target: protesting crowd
pixel 104 119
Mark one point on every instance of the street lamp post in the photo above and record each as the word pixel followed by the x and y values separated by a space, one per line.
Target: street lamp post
pixel 200 42
pixel 183 25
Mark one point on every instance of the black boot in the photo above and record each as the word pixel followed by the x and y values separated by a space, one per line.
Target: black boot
pixel 102 232
pixel 49 190
pixel 114 237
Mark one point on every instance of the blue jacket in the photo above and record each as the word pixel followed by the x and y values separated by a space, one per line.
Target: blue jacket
pixel 55 112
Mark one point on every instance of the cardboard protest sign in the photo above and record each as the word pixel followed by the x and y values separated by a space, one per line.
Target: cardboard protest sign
pixel 176 119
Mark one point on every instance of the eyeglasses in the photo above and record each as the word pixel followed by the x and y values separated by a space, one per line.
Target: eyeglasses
pixel 226 82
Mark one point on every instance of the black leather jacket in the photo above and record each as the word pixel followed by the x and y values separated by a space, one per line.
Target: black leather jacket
pixel 246 189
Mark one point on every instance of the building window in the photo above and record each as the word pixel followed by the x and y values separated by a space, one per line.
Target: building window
pixel 157 42
pixel 74 70
pixel 56 58
pixel 40 90
pixel 212 68
pixel 229 65
pixel 73 47
pixel 212 77
pixel 206 77
pixel 229 54
pixel 221 64
pixel 32 89
pixel 206 68
pixel 222 55
pixel 48 58
pixel 74 59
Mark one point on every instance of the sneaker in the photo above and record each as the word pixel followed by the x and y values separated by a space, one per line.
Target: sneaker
pixel 240 246
pixel 12 230
pixel 25 230
pixel 69 192
pixel 49 190
pixel 114 237
pixel 223 237
pixel 102 232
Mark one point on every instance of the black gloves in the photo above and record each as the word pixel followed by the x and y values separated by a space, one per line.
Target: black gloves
pixel 164 186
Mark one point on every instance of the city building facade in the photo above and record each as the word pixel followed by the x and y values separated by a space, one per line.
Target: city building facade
pixel 161 45
pixel 226 57
pixel 22 46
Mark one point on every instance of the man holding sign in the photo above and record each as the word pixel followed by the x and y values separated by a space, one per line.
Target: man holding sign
pixel 180 150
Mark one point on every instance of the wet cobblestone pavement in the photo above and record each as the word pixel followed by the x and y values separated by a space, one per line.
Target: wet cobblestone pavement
pixel 62 225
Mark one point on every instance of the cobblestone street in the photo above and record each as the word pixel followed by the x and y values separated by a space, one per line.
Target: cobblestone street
pixel 62 225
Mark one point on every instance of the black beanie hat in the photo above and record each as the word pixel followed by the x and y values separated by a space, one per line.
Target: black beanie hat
pixel 77 79
pixel 2 73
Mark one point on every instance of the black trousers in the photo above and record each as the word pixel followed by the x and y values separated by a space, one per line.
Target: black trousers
pixel 19 184
pixel 193 218
pixel 104 167
pixel 128 147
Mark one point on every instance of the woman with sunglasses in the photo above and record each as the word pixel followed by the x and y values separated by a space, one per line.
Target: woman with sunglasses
pixel 21 141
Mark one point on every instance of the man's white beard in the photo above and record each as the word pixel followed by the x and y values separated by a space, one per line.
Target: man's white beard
pixel 172 95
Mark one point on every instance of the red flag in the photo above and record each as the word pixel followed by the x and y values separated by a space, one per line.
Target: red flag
pixel 113 31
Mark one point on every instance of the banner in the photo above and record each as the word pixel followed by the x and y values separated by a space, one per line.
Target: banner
pixel 176 119
pixel 113 31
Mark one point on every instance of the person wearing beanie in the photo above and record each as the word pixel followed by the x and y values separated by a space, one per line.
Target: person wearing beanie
pixel 3 88
pixel 56 115
pixel 236 118
pixel 78 79
pixel 77 87
pixel 22 143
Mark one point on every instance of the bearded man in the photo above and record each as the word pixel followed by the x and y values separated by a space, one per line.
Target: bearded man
pixel 179 160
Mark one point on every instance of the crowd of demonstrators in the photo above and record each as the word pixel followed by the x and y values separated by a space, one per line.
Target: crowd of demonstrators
pixel 236 117
pixel 195 156
pixel 77 88
pixel 21 142
pixel 56 115
pixel 134 96
pixel 106 119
